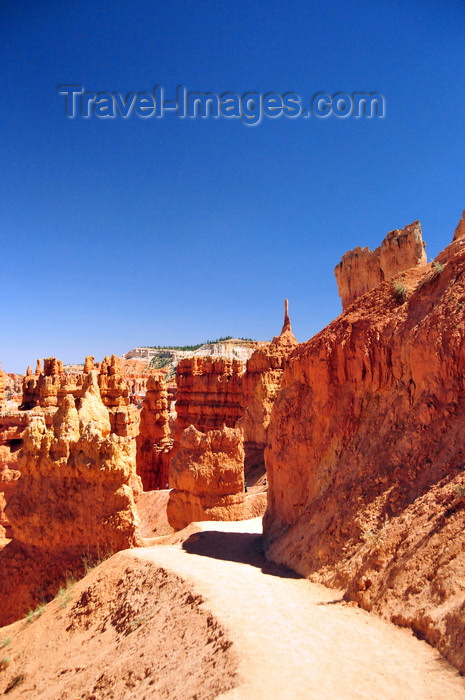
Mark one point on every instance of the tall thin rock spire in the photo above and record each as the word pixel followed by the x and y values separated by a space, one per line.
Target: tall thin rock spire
pixel 287 320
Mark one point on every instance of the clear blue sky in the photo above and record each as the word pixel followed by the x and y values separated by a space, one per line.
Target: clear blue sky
pixel 118 233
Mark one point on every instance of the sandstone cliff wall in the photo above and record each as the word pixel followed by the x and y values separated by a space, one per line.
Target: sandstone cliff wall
pixel 365 462
pixel 362 269
pixel 124 418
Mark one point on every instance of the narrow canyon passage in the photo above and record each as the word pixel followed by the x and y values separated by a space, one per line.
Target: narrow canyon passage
pixel 297 639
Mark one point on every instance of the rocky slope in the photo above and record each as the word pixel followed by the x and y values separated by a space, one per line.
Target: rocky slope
pixel 128 630
pixel 13 423
pixel 365 460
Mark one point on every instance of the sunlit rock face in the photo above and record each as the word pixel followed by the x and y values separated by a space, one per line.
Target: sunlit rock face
pixel 365 460
pixel 207 477
pixel 261 384
pixel 209 393
pixel 154 441
pixel 362 269
pixel 74 499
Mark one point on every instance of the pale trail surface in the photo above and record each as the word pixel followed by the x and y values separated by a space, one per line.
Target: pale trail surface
pixel 296 639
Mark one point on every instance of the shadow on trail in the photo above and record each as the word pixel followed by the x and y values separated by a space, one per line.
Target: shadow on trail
pixel 242 547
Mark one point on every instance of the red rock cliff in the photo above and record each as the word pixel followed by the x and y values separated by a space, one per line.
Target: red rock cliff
pixel 362 269
pixel 365 463
pixel 42 389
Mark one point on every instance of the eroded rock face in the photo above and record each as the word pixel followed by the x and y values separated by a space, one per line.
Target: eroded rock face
pixel 115 395
pixel 261 383
pixel 362 269
pixel 13 423
pixel 154 441
pixel 209 393
pixel 113 388
pixel 207 477
pixel 42 389
pixel 365 460
pixel 74 499
pixel 46 389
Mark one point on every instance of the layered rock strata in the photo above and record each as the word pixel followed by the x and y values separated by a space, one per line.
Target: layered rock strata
pixel 74 499
pixel 207 477
pixel 154 441
pixel 115 395
pixel 365 459
pixel 209 394
pixel 362 269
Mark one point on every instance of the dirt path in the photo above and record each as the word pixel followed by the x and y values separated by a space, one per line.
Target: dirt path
pixel 297 639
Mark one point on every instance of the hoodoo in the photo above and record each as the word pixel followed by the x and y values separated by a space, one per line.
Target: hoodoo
pixel 74 498
pixel 207 477
pixel 209 394
pixel 154 441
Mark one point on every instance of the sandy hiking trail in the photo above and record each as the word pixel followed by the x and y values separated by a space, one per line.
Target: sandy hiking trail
pixel 296 639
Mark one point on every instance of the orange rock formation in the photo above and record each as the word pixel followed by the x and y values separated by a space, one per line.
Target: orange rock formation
pixel 362 269
pixel 209 393
pixel 43 387
pixel 12 426
pixel 365 460
pixel 113 388
pixel 115 395
pixel 13 384
pixel 154 441
pixel 207 477
pixel 47 389
pixel 261 383
pixel 74 499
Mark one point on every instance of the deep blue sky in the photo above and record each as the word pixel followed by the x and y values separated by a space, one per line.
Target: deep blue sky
pixel 118 233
